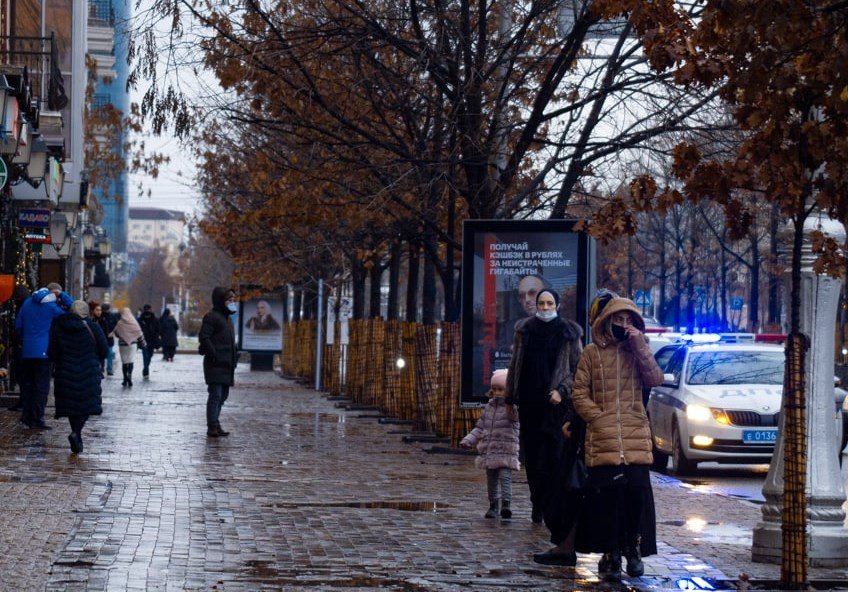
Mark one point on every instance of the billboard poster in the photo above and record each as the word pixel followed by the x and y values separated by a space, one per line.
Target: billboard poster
pixel 261 323
pixel 505 264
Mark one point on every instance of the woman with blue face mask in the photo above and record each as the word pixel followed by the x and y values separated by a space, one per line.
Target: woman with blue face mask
pixel 545 352
pixel 218 348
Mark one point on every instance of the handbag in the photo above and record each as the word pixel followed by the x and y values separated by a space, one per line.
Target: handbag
pixel 577 475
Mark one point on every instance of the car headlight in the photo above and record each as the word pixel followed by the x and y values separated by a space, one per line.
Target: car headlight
pixel 721 417
pixel 698 412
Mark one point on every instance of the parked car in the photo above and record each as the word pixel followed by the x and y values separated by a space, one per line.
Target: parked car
pixel 719 402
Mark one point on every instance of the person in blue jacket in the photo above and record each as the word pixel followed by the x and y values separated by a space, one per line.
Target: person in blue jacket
pixel 33 326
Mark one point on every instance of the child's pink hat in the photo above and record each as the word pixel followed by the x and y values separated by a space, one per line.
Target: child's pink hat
pixel 499 378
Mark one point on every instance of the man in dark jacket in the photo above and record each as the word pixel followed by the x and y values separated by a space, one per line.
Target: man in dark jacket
pixel 33 326
pixel 218 347
pixel 150 327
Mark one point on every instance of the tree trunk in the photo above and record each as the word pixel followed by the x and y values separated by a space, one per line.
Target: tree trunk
pixel 773 278
pixel 392 313
pixel 793 568
pixel 358 274
pixel 376 277
pixel 285 297
pixel 297 303
pixel 412 283
pixel 428 293
pixel 754 307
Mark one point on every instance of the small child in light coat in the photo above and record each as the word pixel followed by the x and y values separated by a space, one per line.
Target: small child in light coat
pixel 496 437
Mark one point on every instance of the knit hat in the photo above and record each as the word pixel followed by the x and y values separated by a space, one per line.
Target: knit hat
pixel 499 378
pixel 602 298
pixel 80 308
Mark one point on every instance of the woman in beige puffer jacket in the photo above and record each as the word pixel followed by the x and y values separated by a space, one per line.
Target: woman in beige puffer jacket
pixel 608 395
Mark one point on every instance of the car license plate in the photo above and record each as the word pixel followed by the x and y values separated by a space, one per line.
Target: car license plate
pixel 759 436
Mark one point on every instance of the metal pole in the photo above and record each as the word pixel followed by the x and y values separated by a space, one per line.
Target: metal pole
pixel 318 347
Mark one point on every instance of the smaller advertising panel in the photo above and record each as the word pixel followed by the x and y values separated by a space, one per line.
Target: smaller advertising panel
pixel 262 323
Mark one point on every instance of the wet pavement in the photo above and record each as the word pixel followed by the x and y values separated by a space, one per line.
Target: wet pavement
pixel 303 495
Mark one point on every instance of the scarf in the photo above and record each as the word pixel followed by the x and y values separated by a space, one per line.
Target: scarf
pixel 127 328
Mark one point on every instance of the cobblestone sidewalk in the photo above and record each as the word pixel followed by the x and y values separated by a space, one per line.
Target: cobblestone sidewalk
pixel 303 495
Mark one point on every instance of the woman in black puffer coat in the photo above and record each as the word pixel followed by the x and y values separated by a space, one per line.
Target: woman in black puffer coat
pixel 168 329
pixel 77 348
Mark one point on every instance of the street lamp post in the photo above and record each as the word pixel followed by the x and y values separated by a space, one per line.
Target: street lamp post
pixel 827 538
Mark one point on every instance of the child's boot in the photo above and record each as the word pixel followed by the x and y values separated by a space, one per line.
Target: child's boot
pixel 506 513
pixel 493 510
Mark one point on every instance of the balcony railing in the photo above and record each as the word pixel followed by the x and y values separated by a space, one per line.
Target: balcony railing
pixel 37 56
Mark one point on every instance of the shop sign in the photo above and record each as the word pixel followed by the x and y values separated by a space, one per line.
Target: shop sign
pixel 36 238
pixel 34 218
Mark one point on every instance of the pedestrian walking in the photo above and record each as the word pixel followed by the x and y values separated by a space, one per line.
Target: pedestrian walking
pixel 218 348
pixel 150 326
pixel 107 321
pixel 33 326
pixel 77 349
pixel 608 396
pixel 496 438
pixel 19 295
pixel 545 348
pixel 130 338
pixel 168 329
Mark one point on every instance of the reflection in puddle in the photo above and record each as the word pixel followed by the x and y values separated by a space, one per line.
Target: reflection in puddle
pixel 382 505
pixel 714 532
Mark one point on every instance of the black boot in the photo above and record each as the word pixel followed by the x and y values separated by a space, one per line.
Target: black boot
pixel 492 512
pixel 129 374
pixel 506 513
pixel 635 567
pixel 609 567
pixel 212 430
pixel 124 374
pixel 221 431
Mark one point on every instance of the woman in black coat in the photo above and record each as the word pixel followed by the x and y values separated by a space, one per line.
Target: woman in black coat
pixel 168 328
pixel 218 348
pixel 77 348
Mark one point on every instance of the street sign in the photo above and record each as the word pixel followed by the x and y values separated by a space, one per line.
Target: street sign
pixel 643 298
pixel 736 303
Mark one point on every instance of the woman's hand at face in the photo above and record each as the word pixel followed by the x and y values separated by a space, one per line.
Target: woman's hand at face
pixel 566 429
pixel 556 398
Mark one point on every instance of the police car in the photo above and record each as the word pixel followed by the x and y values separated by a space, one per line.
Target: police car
pixel 719 402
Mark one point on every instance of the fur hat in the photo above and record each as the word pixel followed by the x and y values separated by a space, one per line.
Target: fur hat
pixel 499 378
pixel 80 307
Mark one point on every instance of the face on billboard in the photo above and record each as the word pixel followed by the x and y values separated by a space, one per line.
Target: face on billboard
pixel 528 289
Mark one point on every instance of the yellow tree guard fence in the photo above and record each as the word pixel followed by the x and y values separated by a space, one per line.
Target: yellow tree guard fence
pixel 408 371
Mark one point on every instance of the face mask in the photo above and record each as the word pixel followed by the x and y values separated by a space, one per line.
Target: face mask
pixel 232 307
pixel 619 332
pixel 546 315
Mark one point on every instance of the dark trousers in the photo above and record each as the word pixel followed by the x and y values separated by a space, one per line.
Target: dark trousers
pixel 218 393
pixel 77 422
pixel 168 351
pixel 35 386
pixel 536 451
pixel 146 356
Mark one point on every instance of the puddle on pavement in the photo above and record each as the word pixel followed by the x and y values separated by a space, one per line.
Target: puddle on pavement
pixel 378 505
pixel 713 532
pixel 326 417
